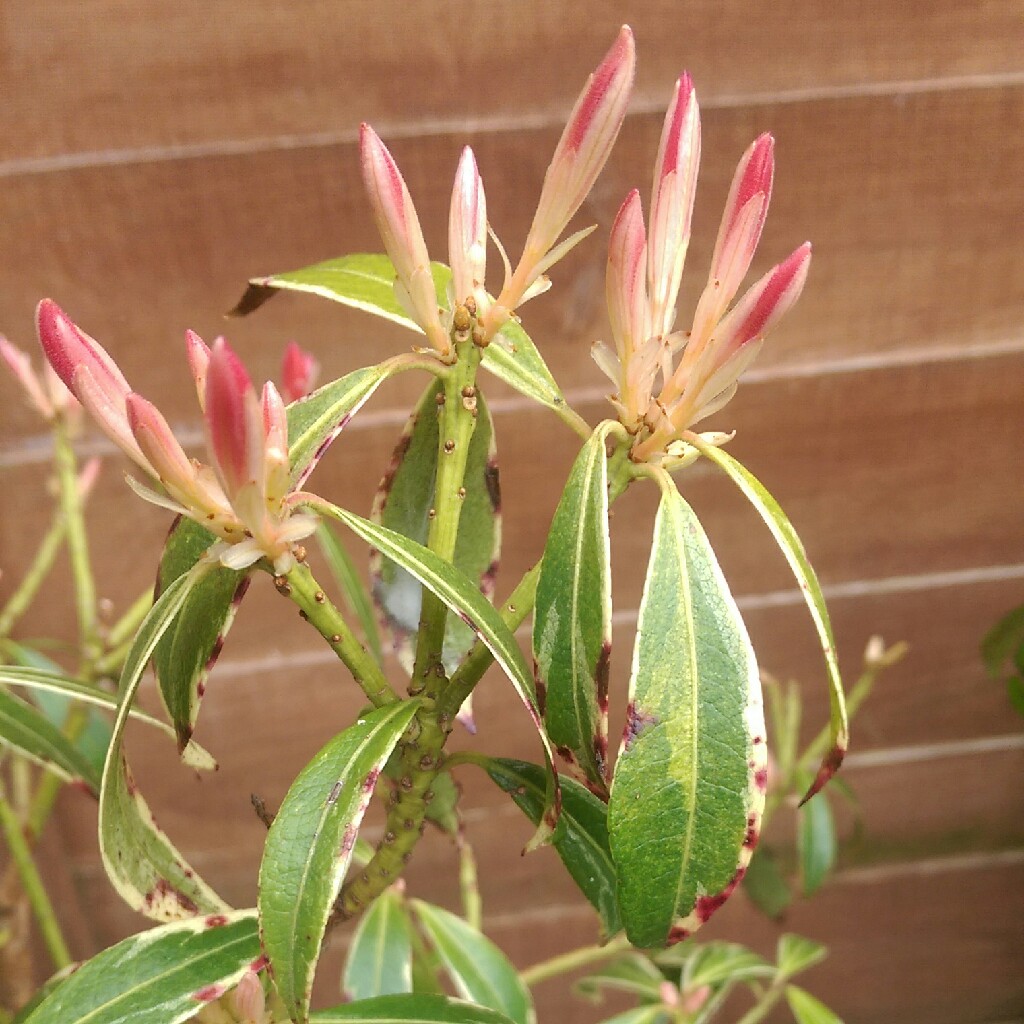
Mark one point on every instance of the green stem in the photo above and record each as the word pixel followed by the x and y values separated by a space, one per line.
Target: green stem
pixel 127 626
pixel 314 606
pixel 33 886
pixel 574 960
pixel 472 906
pixel 765 1003
pixel 40 568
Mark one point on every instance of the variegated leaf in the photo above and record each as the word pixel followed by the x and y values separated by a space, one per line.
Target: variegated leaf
pixel 418 1008
pixel 572 619
pixel 403 502
pixel 689 784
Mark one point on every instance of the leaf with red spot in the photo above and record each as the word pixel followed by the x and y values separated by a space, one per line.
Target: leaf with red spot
pixel 309 846
pixel 141 862
pixel 688 790
pixel 161 976
pixel 403 502
pixel 572 619
pixel 792 548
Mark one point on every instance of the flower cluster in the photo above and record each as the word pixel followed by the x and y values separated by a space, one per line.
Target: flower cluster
pixel 244 496
pixel 578 159
pixel 645 269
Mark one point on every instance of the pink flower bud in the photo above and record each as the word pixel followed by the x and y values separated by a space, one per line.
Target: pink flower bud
pixel 160 447
pixel 298 372
pixel 467 231
pixel 675 186
pixel 626 278
pixel 21 369
pixel 198 353
pixel 234 420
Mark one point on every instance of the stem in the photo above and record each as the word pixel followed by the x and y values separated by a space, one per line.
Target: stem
pixel 314 606
pixel 41 565
pixel 472 906
pixel 765 1003
pixel 33 886
pixel 577 958
pixel 126 627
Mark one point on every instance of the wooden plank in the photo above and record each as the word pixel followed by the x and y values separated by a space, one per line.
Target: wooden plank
pixel 171 76
pixel 139 253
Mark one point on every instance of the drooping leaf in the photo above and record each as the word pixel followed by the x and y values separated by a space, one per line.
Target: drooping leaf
pixel 420 1008
pixel 572 618
pixel 309 846
pixel 380 957
pixel 765 884
pixel 479 970
pixel 816 843
pixel 42 682
pixel 464 598
pixel 161 976
pixel 188 650
pixel 582 835
pixel 353 591
pixel 688 790
pixel 141 862
pixel 402 503
pixel 793 550
pixel 366 281
pixel 796 954
pixel 27 730
pixel 808 1010
pixel 94 737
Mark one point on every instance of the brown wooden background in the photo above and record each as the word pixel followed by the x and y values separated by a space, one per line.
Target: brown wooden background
pixel 153 155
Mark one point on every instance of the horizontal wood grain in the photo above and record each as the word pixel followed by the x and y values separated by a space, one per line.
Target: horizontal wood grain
pixel 911 207
pixel 172 76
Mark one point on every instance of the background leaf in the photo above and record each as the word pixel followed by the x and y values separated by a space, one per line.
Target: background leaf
pixel 402 503
pixel 765 884
pixel 796 954
pixel 479 970
pixel 161 976
pixel 309 846
pixel 353 591
pixel 379 961
pixel 808 1010
pixel 581 838
pixel 816 843
pixel 688 790
pixel 410 1009
pixel 572 619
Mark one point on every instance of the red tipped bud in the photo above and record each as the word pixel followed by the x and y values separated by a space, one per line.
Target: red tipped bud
pixel 299 371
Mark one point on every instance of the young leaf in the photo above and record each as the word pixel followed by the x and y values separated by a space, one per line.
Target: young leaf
pixel 479 970
pixel 582 835
pixel 28 731
pixel 145 868
pixel 713 963
pixel 309 846
pixel 642 1015
pixel 796 954
pixel 632 973
pixel 366 281
pixel 808 1010
pixel 688 790
pixel 352 589
pixel 380 957
pixel 409 1009
pixel 402 503
pixel 40 682
pixel 793 550
pixel 161 976
pixel 188 651
pixel 572 619
pixel 462 597
pixel 816 843
pixel 764 883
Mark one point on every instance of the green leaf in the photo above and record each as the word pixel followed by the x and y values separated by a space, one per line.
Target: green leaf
pixel 581 838
pixel 632 973
pixel 462 597
pixel 808 1010
pixel 187 652
pixel 815 843
pixel 316 420
pixel 353 591
pixel 796 954
pixel 161 976
pixel 479 970
pixel 641 1015
pixel 409 1009
pixel 28 731
pixel 402 504
pixel 366 281
pixel 43 682
pixel 141 862
pixel 793 550
pixel 309 846
pixel 688 789
pixel 1002 640
pixel 443 809
pixel 380 957
pixel 765 884
pixel 572 619
pixel 714 963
